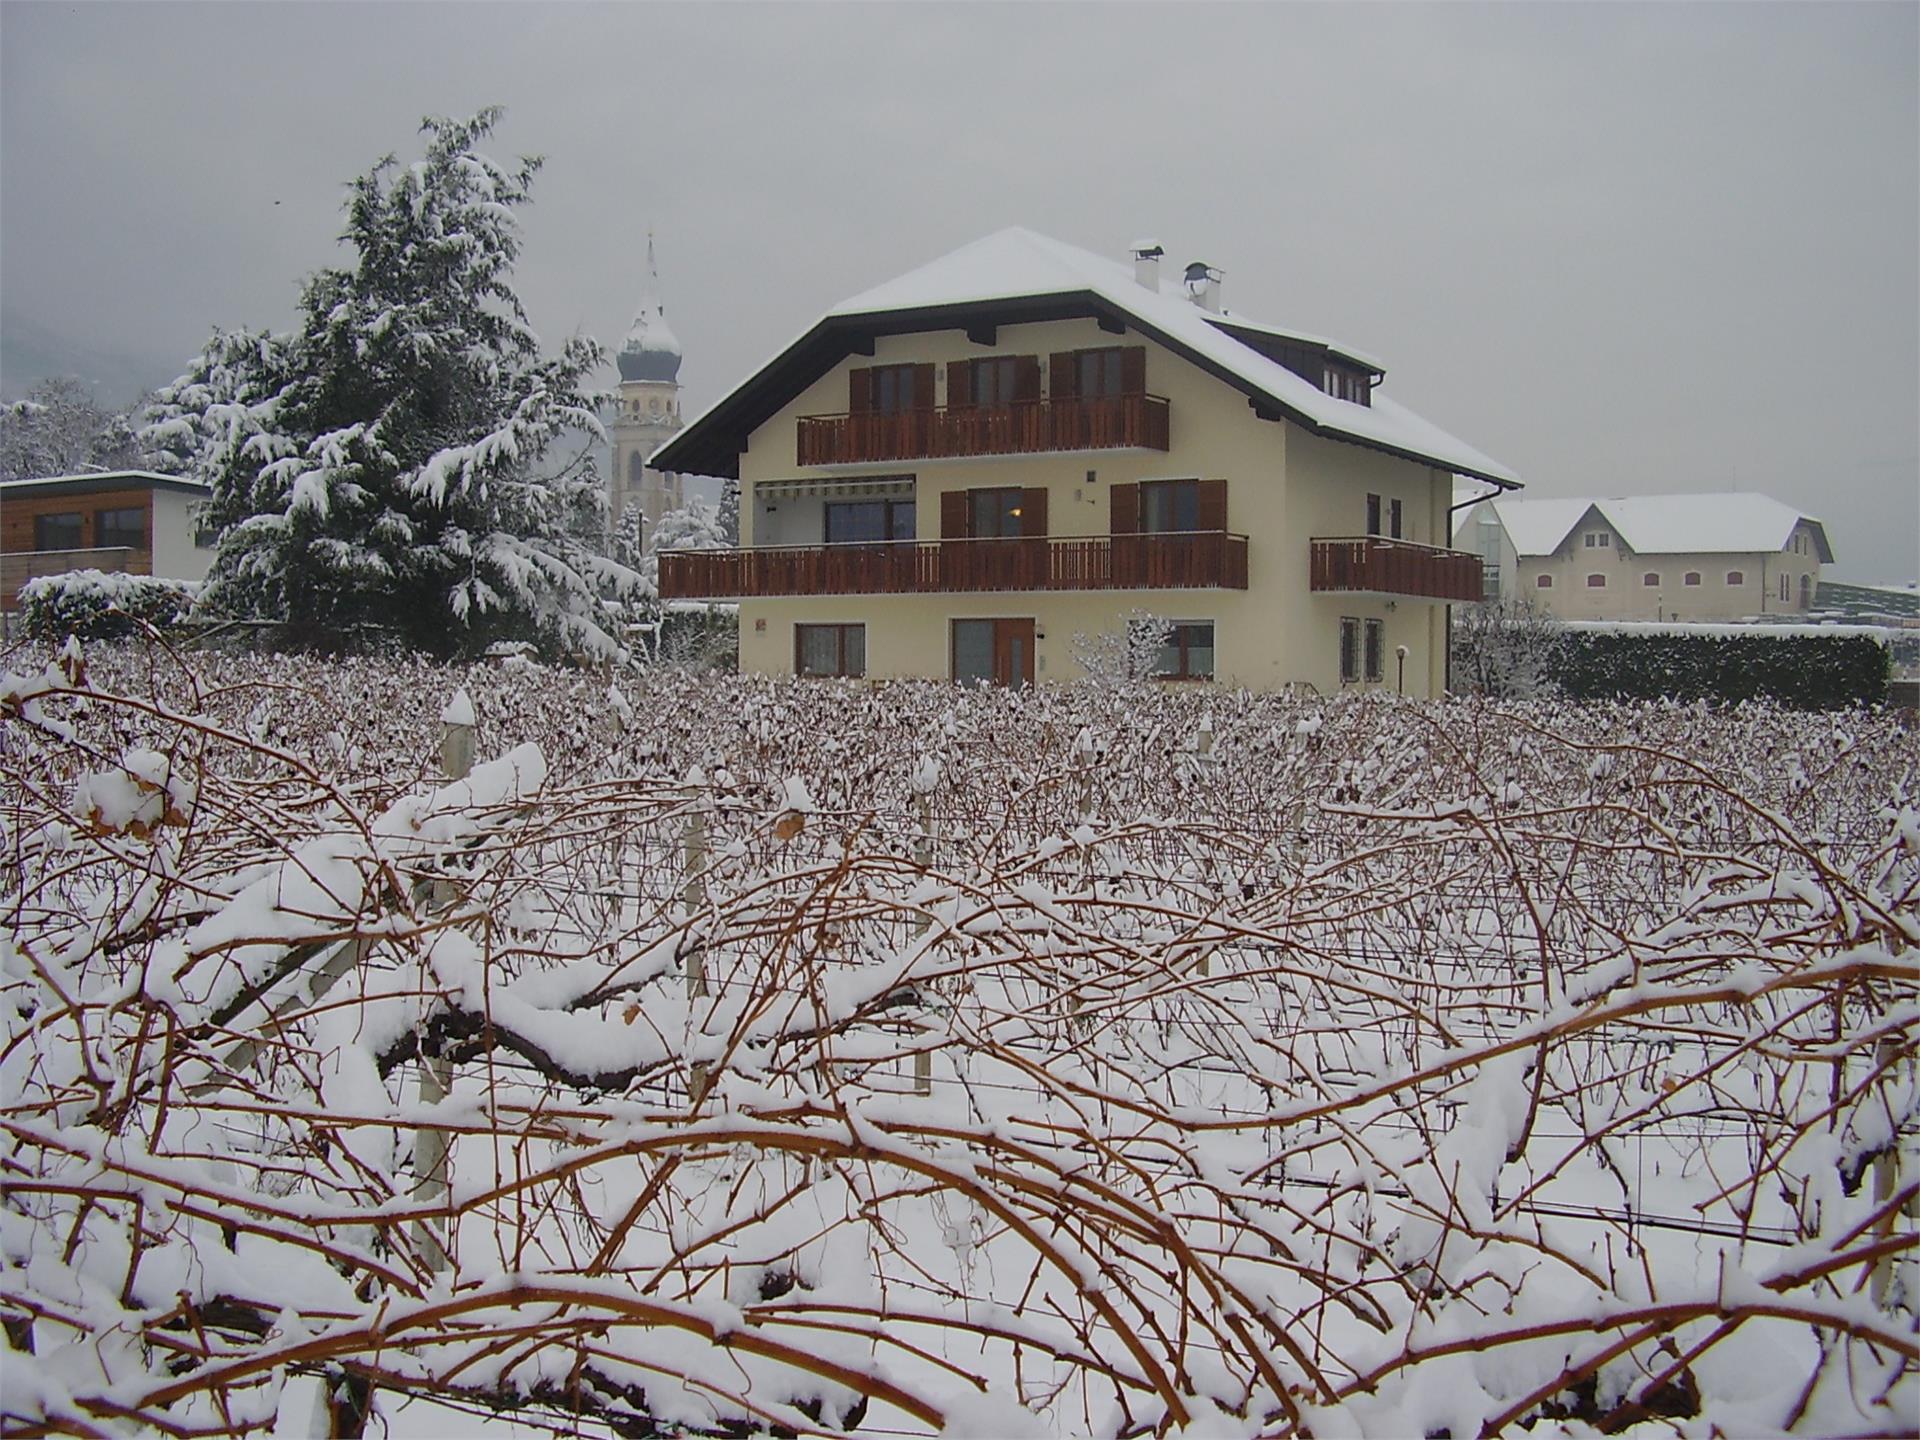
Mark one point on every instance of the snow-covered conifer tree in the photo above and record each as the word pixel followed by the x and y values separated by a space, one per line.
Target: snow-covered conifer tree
pixel 386 466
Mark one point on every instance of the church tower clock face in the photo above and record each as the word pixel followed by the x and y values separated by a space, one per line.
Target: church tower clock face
pixel 648 414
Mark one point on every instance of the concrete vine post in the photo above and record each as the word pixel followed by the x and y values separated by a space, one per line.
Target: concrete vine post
pixel 430 1149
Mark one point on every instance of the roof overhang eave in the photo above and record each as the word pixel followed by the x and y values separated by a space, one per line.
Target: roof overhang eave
pixel 711 444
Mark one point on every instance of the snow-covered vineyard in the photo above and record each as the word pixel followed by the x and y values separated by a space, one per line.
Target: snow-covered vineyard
pixel 725 1056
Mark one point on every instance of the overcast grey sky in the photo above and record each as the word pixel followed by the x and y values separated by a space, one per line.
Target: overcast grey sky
pixel 1621 248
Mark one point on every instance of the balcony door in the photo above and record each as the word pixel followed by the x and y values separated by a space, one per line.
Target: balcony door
pixel 993 652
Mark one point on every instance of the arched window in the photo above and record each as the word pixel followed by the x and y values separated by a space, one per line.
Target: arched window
pixel 1596 582
pixel 1692 577
pixel 636 469
pixel 1651 578
pixel 1543 582
pixel 1736 577
pixel 1806 592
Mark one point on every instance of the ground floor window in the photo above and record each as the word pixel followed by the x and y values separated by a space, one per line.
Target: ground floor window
pixel 1187 652
pixel 1376 648
pixel 1349 649
pixel 830 650
pixel 993 652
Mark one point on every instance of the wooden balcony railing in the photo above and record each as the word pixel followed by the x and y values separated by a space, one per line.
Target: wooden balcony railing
pixel 17 567
pixel 1198 560
pixel 1380 565
pixel 1023 428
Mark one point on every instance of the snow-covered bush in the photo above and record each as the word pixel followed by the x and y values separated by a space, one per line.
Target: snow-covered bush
pixel 95 604
pixel 1505 649
pixel 859 1059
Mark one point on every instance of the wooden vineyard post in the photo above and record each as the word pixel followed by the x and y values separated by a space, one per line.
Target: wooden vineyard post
pixel 694 894
pixel 923 858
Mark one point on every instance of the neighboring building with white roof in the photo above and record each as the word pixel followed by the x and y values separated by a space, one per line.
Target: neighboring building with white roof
pixel 953 474
pixel 1650 557
pixel 131 521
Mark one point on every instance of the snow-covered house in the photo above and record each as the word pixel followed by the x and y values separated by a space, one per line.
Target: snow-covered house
pixel 1727 556
pixel 131 521
pixel 956 473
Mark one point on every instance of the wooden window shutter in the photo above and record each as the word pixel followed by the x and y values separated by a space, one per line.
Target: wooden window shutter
pixel 959 384
pixel 1026 379
pixel 1124 515
pixel 923 387
pixel 1133 370
pixel 1063 377
pixel 953 515
pixel 1212 504
pixel 859 391
pixel 1033 512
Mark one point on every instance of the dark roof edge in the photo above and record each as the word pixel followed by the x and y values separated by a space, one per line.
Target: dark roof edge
pixel 694 450
pixel 96 478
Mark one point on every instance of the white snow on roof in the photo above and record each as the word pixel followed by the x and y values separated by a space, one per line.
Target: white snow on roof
pixel 1730 522
pixel 1016 263
pixel 186 480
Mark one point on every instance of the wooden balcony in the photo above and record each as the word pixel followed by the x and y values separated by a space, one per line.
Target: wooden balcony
pixel 1198 560
pixel 17 567
pixel 1379 565
pixel 1027 427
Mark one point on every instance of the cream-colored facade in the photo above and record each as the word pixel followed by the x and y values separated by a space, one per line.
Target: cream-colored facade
pixel 1595 572
pixel 1285 486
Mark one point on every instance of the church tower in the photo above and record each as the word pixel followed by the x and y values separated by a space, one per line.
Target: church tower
pixel 649 410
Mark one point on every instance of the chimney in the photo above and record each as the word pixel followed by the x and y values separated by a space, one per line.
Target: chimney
pixel 1146 263
pixel 1203 286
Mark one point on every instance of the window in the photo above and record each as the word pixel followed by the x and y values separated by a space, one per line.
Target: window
pixel 1376 650
pixel 1736 577
pixel 1806 592
pixel 869 522
pixel 995 514
pixel 1349 649
pixel 892 390
pixel 1373 514
pixel 1598 540
pixel 830 650
pixel 126 527
pixel 1596 582
pixel 1169 505
pixel 66 531
pixel 993 381
pixel 1785 593
pixel 1650 579
pixel 1394 519
pixel 1543 582
pixel 636 470
pixel 1691 578
pixel 1187 653
pixel 1344 385
pixel 1098 372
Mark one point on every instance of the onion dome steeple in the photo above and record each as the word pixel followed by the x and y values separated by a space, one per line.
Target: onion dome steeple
pixel 650 351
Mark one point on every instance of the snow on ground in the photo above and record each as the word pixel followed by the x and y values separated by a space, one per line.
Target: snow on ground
pixel 902 1059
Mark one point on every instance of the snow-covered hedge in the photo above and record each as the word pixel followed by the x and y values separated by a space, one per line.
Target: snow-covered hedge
pixel 95 604
pixel 1808 667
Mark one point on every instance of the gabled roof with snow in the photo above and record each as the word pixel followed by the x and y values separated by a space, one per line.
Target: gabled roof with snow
pixel 1741 523
pixel 1015 276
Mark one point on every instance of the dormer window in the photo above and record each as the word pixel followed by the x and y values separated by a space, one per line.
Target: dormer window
pixel 1346 385
pixel 1598 540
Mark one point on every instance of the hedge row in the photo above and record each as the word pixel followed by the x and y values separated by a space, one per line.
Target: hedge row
pixel 1803 669
pixel 95 605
